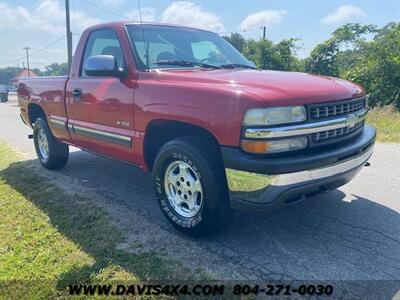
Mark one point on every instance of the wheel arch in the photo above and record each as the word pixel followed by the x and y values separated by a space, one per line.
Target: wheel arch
pixel 35 111
pixel 159 132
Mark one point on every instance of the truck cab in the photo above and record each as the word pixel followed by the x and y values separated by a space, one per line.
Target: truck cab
pixel 217 133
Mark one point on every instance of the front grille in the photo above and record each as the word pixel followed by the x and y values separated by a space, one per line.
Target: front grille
pixel 327 135
pixel 336 109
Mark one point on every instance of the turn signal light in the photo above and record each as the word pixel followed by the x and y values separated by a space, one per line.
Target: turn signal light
pixel 254 146
pixel 274 146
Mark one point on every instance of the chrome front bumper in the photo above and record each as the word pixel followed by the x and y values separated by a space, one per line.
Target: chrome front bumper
pixel 254 191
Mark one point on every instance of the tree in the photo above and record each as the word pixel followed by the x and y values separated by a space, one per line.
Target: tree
pixel 56 69
pixel 378 66
pixel 7 73
pixel 324 57
pixel 237 41
pixel 37 71
pixel 267 55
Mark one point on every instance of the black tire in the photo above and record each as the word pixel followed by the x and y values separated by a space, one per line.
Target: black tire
pixel 205 161
pixel 57 152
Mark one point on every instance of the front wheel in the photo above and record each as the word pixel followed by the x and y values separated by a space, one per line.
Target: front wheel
pixel 191 187
pixel 51 153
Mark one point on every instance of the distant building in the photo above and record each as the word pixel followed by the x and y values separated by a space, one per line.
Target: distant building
pixel 23 73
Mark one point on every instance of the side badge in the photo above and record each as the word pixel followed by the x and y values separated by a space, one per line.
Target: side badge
pixel 123 123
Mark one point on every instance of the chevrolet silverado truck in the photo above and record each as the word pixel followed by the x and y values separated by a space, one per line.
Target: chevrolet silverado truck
pixel 217 133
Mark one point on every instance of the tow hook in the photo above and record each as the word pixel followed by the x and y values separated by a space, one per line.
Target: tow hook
pixel 30 136
pixel 367 164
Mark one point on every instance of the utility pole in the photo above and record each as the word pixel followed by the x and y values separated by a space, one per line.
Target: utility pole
pixel 264 32
pixel 69 33
pixel 27 58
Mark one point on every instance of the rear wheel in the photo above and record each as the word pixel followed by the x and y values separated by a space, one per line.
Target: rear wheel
pixel 51 153
pixel 191 187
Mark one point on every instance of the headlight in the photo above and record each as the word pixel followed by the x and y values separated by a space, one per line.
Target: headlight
pixel 274 146
pixel 274 115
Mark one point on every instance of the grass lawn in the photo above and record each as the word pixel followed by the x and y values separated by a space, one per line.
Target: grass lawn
pixel 50 239
pixel 387 122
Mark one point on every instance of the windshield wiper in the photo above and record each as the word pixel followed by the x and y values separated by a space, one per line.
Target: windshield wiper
pixel 184 63
pixel 232 66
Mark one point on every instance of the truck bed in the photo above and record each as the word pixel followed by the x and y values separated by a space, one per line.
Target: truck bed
pixel 47 92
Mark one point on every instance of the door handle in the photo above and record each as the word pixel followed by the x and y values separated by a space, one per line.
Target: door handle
pixel 77 94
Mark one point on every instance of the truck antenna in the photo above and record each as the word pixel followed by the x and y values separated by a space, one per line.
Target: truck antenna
pixel 144 40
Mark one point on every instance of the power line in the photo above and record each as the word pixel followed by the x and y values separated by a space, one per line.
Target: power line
pixel 59 39
pixel 36 52
pixel 14 61
pixel 48 46
pixel 104 9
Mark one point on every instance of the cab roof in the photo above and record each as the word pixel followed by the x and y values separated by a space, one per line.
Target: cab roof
pixel 117 24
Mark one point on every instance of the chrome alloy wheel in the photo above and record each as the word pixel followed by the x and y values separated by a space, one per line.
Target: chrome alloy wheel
pixel 183 189
pixel 43 144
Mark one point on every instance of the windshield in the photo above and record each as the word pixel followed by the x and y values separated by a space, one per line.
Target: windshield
pixel 174 47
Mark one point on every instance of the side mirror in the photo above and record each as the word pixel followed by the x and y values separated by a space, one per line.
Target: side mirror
pixel 103 65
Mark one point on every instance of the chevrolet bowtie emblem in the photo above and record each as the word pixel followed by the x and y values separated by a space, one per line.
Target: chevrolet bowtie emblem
pixel 351 120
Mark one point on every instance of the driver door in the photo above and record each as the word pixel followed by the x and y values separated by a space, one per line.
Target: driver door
pixel 100 109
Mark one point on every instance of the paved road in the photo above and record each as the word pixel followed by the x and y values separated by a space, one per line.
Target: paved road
pixel 349 234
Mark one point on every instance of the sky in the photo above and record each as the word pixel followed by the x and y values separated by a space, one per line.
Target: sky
pixel 40 24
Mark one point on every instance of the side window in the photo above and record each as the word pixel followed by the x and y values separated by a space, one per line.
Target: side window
pixel 103 42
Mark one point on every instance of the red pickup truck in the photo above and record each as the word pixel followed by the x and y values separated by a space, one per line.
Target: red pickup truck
pixel 217 133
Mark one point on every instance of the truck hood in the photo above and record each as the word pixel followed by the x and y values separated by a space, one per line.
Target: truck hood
pixel 276 87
